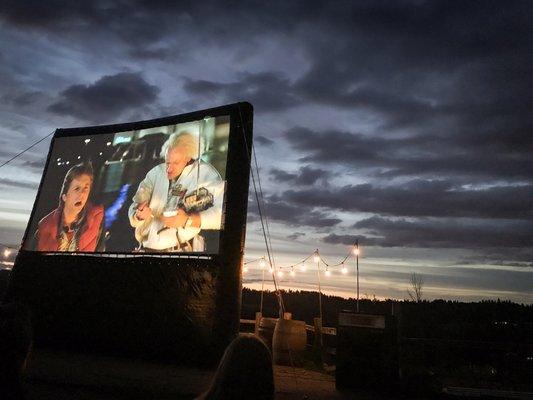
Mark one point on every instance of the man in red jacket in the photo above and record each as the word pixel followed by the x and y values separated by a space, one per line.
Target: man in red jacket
pixel 76 224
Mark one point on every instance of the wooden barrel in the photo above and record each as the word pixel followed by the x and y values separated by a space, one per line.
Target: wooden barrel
pixel 289 341
pixel 266 330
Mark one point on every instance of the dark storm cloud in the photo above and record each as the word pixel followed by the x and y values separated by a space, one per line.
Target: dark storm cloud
pixel 296 235
pixel 500 256
pixel 420 35
pixel 282 176
pixel 339 146
pixel 293 215
pixel 37 164
pixel 54 14
pixel 22 99
pixel 263 140
pixel 18 184
pixel 438 233
pixel 107 98
pixel 5 155
pixel 306 176
pixel 422 198
pixel 130 21
pixel 454 76
pixel 492 156
pixel 349 240
pixel 60 15
pixel 454 233
pixel 411 62
pixel 267 91
pixel 151 54
pixel 449 69
pixel 393 53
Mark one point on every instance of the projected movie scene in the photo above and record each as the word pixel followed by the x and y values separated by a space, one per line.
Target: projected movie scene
pixel 155 190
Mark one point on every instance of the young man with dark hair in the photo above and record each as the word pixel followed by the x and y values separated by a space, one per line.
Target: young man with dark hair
pixel 76 224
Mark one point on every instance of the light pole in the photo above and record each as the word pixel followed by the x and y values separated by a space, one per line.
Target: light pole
pixel 262 265
pixel 356 252
pixel 317 260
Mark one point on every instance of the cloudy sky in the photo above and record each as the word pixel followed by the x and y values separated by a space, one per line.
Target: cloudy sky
pixel 407 125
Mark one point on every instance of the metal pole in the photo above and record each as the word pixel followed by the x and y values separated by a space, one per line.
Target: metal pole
pixel 262 286
pixel 357 267
pixel 319 289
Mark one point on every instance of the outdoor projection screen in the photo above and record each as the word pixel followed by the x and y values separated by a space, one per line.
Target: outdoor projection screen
pixel 157 189
pixel 136 238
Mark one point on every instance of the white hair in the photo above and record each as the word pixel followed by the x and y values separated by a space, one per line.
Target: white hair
pixel 185 140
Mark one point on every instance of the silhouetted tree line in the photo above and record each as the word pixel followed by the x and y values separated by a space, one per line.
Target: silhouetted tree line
pixel 499 321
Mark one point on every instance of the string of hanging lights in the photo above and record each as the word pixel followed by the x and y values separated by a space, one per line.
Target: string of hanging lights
pixel 301 265
pixel 318 259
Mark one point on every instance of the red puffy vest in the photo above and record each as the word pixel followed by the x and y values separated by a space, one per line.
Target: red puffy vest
pixel 47 236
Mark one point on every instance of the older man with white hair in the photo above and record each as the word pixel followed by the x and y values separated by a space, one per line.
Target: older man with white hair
pixel 177 199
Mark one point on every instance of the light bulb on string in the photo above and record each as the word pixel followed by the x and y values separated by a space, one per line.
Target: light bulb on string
pixel 327 272
pixel 262 262
pixel 316 257
pixel 292 273
pixel 344 270
pixel 356 251
pixel 303 267
pixel 280 274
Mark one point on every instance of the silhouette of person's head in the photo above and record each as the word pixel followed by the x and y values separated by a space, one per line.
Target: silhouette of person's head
pixel 245 371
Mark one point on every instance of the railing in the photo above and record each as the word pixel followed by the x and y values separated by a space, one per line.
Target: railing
pixel 326 330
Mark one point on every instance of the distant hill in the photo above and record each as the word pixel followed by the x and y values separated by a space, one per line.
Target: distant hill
pixel 485 320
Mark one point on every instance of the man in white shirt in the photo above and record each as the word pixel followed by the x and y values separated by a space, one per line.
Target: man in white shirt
pixel 177 199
